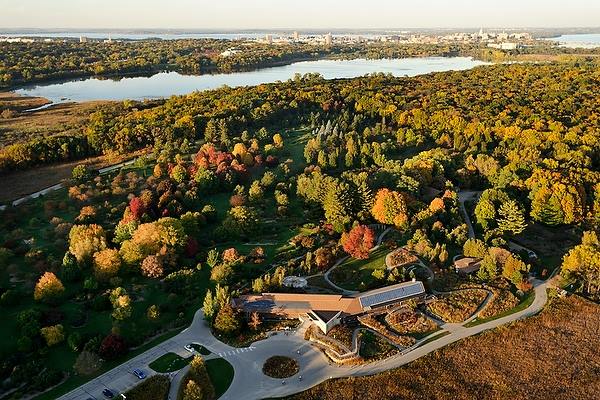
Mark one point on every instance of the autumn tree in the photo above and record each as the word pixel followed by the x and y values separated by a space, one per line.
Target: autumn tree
pixel 192 391
pixel 255 321
pixel 489 268
pixel 511 218
pixel 53 335
pixel 209 306
pixel 152 267
pixel 48 288
pixel 121 303
pixel 474 248
pixel 514 270
pixel 107 263
pixel 153 312
pixel 85 240
pixel 226 321
pixel 583 262
pixel 390 208
pixel 358 241
pixel 112 346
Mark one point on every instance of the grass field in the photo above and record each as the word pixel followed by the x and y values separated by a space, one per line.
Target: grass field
pixel 220 373
pixel 355 274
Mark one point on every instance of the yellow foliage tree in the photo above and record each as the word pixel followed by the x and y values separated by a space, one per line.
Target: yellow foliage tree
pixel 48 287
pixel 53 334
pixel 85 240
pixel 106 264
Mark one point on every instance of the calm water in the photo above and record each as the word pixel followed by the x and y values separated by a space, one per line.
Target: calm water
pixel 591 40
pixel 170 83
pixel 137 36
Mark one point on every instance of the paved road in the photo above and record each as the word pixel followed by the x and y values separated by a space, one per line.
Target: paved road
pixel 462 197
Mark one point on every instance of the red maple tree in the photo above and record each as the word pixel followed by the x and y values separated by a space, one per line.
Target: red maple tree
pixel 359 241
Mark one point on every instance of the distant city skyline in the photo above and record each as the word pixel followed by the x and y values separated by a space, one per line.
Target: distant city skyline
pixel 302 14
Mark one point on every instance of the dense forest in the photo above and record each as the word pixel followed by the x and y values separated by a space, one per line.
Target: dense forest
pixel 242 187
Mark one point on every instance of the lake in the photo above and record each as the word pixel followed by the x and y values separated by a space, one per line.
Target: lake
pixel 166 84
pixel 589 41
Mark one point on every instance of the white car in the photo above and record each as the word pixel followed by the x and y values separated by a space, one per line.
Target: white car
pixel 189 348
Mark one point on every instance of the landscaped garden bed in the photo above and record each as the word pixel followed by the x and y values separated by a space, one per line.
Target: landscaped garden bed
pixel 406 321
pixel 373 347
pixel 458 306
pixel 400 257
pixel 280 367
pixel 342 334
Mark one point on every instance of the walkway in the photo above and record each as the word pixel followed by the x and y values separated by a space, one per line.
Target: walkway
pixel 342 260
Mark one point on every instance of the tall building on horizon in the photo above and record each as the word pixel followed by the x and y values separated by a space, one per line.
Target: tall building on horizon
pixel 328 39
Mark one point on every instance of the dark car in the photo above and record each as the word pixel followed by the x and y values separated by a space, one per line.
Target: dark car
pixel 139 373
pixel 108 393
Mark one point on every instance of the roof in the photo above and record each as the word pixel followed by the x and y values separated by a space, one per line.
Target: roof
pixel 389 294
pixel 299 302
pixel 467 265
pixel 325 316
pixel 326 305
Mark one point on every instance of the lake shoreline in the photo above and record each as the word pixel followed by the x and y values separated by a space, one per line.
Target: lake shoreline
pixel 158 85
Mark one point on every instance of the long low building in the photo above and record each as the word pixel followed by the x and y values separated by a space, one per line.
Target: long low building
pixel 329 310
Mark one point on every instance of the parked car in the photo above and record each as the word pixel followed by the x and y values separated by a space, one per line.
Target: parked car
pixel 189 348
pixel 139 373
pixel 108 393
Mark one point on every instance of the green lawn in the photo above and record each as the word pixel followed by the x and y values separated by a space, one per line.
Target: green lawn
pixel 169 362
pixel 525 302
pixel 201 349
pixel 220 373
pixel 357 274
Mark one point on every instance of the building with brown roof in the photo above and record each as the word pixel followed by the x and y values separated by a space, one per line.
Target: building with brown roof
pixel 467 265
pixel 328 310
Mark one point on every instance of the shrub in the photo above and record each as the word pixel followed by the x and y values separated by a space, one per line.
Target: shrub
pixel 53 334
pixel 112 346
pixel 280 367
pixel 80 173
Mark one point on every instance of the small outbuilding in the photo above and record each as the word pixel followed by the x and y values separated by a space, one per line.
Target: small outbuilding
pixel 467 265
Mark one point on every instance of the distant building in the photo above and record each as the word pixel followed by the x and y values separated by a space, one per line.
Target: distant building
pixel 329 310
pixel 296 36
pixel 269 39
pixel 328 39
pixel 82 39
pixel 467 265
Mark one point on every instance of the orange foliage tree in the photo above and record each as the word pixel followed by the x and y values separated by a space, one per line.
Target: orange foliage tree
pixel 358 241
pixel 390 208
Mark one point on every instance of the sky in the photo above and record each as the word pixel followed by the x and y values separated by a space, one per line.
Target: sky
pixel 297 14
